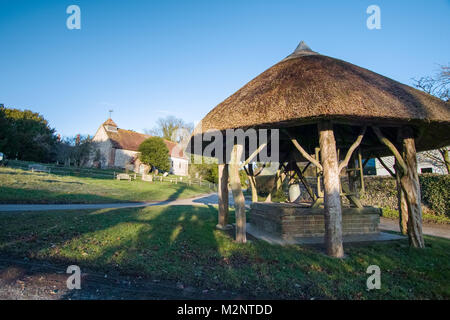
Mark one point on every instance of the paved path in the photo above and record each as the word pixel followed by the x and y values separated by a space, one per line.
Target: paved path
pixel 206 199
pixel 436 230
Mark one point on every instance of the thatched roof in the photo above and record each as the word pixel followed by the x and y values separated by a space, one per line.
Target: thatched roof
pixel 306 86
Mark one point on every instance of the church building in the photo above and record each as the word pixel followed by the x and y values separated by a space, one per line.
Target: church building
pixel 118 148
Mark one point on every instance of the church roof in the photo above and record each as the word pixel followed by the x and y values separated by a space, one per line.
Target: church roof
pixel 131 140
pixel 109 122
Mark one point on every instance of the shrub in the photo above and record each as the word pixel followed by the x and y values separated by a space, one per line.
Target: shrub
pixel 436 193
pixel 264 184
pixel 154 153
pixel 207 171
pixel 382 192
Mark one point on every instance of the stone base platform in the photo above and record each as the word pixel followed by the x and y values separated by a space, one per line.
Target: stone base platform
pixel 261 235
pixel 290 221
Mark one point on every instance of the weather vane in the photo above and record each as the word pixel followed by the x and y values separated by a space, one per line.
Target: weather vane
pixel 110 112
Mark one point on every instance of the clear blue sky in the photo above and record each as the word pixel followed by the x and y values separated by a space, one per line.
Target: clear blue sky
pixel 149 59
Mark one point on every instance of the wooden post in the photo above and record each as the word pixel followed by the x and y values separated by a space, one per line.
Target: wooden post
pixel 318 173
pixel 239 200
pixel 251 178
pixel 401 200
pixel 411 187
pixel 331 182
pixel 352 191
pixel 351 175
pixel 361 172
pixel 278 179
pixel 407 164
pixel 223 197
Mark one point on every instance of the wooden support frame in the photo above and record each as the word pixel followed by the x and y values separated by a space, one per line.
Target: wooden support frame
pixel 281 166
pixel 238 196
pixel 332 198
pixel 401 198
pixel 269 196
pixel 351 175
pixel 303 151
pixel 254 154
pixel 401 202
pixel 223 198
pixel 409 181
pixel 386 167
pixel 361 171
pixel 305 182
pixel 392 148
pixel 252 179
pixel 249 171
pixel 352 148
pixel 318 173
pixel 411 187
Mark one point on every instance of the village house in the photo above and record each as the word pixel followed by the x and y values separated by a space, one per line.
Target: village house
pixel 425 164
pixel 118 148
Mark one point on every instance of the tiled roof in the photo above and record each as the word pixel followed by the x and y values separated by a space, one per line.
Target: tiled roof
pixel 131 140
pixel 109 122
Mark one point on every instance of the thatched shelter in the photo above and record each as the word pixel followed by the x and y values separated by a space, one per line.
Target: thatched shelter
pixel 331 112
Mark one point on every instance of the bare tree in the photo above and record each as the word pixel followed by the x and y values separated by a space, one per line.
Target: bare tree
pixel 167 128
pixel 439 86
pixel 74 150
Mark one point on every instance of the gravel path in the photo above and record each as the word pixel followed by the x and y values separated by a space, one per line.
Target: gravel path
pixel 205 199
pixel 437 230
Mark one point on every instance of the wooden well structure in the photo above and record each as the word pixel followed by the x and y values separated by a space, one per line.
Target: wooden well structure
pixel 334 116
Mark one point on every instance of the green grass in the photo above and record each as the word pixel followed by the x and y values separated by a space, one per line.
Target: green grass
pixel 180 243
pixel 19 186
pixel 426 217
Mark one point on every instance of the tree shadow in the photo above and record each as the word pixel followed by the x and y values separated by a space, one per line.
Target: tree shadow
pixel 178 246
pixel 12 195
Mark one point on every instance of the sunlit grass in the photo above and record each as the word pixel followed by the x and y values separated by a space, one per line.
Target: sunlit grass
pixel 180 243
pixel 426 217
pixel 19 186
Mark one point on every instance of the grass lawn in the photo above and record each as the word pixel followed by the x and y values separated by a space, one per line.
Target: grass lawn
pixel 19 186
pixel 426 217
pixel 180 243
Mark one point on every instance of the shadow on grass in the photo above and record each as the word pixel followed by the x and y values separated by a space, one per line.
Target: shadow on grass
pixel 179 244
pixel 43 196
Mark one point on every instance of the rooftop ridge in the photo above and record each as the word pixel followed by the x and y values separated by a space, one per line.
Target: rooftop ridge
pixel 301 50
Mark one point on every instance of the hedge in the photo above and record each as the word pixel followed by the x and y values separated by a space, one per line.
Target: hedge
pixel 435 189
pixel 381 191
pixel 436 193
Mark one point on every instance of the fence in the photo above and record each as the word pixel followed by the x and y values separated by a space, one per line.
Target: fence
pixel 186 180
pixel 65 171
pixel 107 174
